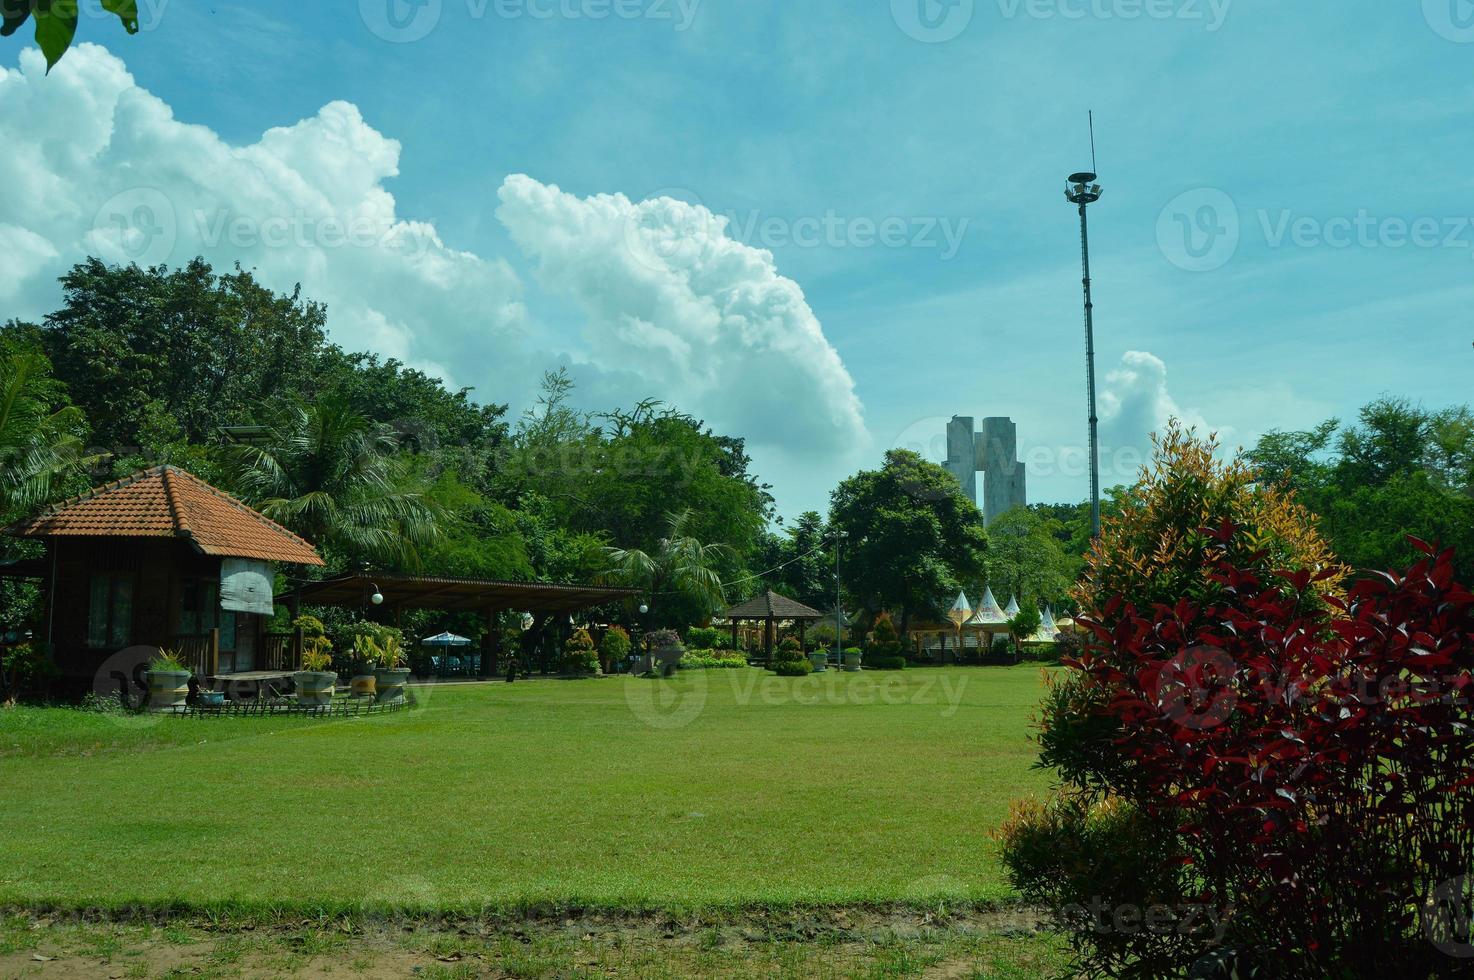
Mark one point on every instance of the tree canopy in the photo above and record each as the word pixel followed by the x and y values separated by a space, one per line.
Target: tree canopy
pixel 913 536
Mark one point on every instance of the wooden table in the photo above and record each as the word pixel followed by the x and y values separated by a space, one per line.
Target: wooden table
pixel 266 682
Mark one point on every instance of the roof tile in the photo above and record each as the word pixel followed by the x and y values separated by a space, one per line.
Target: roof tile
pixel 167 502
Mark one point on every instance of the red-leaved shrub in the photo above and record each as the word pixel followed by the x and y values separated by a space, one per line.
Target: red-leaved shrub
pixel 1315 755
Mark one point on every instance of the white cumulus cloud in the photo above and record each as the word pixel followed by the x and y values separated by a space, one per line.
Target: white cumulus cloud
pixel 691 314
pixel 1135 402
pixel 92 164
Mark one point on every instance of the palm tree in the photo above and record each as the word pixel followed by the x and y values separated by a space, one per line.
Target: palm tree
pixel 39 448
pixel 680 564
pixel 332 475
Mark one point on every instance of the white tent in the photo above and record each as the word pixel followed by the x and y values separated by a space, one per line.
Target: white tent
pixel 1012 608
pixel 1047 632
pixel 988 613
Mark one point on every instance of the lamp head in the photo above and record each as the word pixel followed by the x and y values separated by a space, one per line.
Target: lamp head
pixel 644 609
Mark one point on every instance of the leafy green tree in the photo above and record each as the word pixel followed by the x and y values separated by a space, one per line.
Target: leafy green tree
pixel 331 474
pixel 1025 557
pixel 158 358
pixel 804 562
pixel 56 22
pixel 1399 471
pixel 680 568
pixel 41 437
pixel 621 475
pixel 913 536
pixel 1024 624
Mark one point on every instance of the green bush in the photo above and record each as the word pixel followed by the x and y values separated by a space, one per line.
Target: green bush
pixel 615 645
pixel 710 660
pixel 885 663
pixel 790 649
pixel 854 651
pixel 1075 857
pixel 579 656
pixel 703 637
pixel 793 668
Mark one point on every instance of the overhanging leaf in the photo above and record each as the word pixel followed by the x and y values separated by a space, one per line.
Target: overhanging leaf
pixel 127 11
pixel 56 25
pixel 13 13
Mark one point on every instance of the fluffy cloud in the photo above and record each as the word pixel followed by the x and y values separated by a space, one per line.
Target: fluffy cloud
pixel 692 314
pixel 93 164
pixel 1135 402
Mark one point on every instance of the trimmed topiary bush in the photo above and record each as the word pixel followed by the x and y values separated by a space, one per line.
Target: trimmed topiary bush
pixel 793 668
pixel 703 637
pixel 885 663
pixel 711 660
pixel 579 656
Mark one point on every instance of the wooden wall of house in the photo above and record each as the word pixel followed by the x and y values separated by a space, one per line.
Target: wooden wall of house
pixel 157 569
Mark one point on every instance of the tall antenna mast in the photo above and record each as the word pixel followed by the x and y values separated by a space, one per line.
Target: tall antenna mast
pixel 1083 191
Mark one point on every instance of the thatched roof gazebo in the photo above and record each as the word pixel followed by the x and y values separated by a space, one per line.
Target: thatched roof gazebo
pixel 770 608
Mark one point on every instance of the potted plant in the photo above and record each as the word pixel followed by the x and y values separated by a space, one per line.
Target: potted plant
pixel 361 683
pixel 168 682
pixel 314 682
pixel 852 657
pixel 667 648
pixel 391 666
pixel 819 658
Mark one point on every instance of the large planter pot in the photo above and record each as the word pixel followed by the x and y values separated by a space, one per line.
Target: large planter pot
pixel 167 689
pixel 389 685
pixel 852 663
pixel 820 660
pixel 669 659
pixel 315 688
pixel 363 686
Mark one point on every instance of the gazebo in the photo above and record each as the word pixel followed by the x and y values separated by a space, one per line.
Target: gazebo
pixel 989 619
pixel 769 609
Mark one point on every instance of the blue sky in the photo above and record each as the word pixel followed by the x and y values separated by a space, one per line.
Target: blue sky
pixel 1285 234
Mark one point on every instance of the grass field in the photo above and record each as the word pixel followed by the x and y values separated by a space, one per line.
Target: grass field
pixel 713 789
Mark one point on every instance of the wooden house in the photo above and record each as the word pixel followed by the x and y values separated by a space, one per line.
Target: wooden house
pixel 160 560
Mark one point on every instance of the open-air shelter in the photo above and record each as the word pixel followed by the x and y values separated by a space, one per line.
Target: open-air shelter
pixel 769 609
pixel 396 593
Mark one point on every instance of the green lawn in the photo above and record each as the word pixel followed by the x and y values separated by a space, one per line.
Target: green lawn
pixel 717 788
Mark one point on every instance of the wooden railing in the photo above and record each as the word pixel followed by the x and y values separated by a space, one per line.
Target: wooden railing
pixel 282 651
pixel 199 651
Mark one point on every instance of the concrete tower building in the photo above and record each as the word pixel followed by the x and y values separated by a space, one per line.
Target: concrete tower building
pixel 993 452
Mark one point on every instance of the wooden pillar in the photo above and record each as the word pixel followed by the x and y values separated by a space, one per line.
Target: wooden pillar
pixel 212 662
pixel 768 639
pixel 802 626
pixel 490 646
pixel 734 634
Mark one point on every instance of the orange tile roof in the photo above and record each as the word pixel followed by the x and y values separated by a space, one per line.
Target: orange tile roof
pixel 167 502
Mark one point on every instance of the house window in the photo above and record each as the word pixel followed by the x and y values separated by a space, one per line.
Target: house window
pixel 110 611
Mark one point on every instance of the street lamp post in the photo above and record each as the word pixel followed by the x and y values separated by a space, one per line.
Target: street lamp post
pixel 839 537
pixel 1083 191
